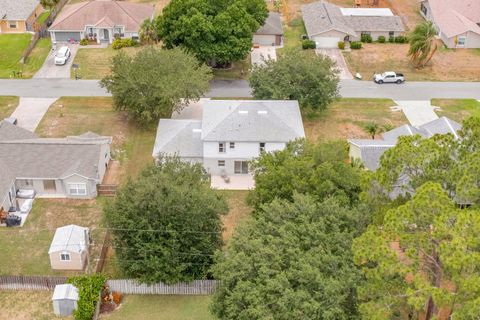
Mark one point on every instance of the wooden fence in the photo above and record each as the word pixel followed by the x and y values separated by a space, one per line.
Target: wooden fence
pixel 107 190
pixel 197 287
pixel 30 282
pixel 103 253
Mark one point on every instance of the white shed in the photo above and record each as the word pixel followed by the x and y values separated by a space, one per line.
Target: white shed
pixel 69 248
pixel 65 298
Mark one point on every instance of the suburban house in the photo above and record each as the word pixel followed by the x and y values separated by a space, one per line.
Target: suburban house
pixel 69 167
pixel 230 133
pixel 69 248
pixel 271 33
pixel 100 20
pixel 18 16
pixel 327 24
pixel 457 21
pixel 370 151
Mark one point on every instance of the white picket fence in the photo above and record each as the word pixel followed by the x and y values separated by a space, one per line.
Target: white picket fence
pixel 197 287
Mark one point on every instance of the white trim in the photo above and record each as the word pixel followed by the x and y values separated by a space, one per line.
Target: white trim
pixel 77 187
pixel 66 254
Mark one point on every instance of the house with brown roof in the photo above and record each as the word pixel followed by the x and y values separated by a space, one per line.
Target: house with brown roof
pixel 100 20
pixel 457 21
pixel 18 16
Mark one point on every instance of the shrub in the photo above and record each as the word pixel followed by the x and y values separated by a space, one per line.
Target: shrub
pixel 122 43
pixel 83 42
pixel 116 297
pixel 89 287
pixel 356 45
pixel 391 39
pixel 400 39
pixel 366 38
pixel 381 39
pixel 341 45
pixel 308 44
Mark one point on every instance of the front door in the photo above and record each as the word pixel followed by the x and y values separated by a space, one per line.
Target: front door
pixel 106 35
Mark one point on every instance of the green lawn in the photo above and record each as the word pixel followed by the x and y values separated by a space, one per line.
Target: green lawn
pixel 159 307
pixel 238 70
pixel 346 118
pixel 457 109
pixel 292 35
pixel 43 16
pixel 27 305
pixel 24 250
pixel 7 106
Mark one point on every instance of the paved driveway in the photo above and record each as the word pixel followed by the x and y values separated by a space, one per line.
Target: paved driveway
pixel 50 70
pixel 418 112
pixel 260 54
pixel 337 56
pixel 30 111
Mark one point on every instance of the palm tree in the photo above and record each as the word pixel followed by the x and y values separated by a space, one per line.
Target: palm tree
pixel 148 33
pixel 372 128
pixel 423 43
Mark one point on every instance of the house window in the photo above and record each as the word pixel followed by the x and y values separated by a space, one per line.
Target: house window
pixel 65 256
pixel 423 8
pixel 366 32
pixel 12 24
pixel 221 163
pixel 461 41
pixel 232 145
pixel 262 146
pixel 221 147
pixel 77 189
pixel 241 167
pixel 391 34
pixel 49 186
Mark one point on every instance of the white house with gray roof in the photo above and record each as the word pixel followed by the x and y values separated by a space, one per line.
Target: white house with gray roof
pixel 230 133
pixel 369 151
pixel 68 167
pixel 327 24
pixel 271 33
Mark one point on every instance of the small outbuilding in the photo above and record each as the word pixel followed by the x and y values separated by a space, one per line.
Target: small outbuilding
pixel 65 299
pixel 271 33
pixel 69 248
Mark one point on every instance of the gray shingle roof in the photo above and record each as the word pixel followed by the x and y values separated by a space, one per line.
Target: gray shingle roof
pixel 17 9
pixel 6 179
pixel 71 238
pixel 9 131
pixel 181 137
pixel 250 120
pixel 322 16
pixel 273 25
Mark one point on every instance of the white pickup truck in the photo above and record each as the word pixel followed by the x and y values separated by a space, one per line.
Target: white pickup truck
pixel 388 77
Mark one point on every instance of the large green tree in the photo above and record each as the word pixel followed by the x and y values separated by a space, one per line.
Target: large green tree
pixel 156 82
pixel 216 31
pixel 317 169
pixel 297 75
pixel 166 224
pixel 292 261
pixel 424 259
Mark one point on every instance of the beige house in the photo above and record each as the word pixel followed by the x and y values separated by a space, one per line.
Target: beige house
pixel 328 24
pixel 18 16
pixel 271 33
pixel 457 21
pixel 69 248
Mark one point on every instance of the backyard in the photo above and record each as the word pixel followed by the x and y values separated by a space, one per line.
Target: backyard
pixel 158 307
pixel 13 46
pixel 7 106
pixel 457 109
pixel 346 118
pixel 27 305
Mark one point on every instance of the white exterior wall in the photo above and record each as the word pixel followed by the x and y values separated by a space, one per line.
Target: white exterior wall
pixel 90 184
pixel 472 40
pixel 354 152
pixel 264 39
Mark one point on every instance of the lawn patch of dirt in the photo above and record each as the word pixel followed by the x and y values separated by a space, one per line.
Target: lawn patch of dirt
pixel 7 105
pixel 27 305
pixel 457 109
pixel 238 211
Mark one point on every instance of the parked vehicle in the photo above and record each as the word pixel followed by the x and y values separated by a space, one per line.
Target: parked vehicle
pixel 62 55
pixel 388 77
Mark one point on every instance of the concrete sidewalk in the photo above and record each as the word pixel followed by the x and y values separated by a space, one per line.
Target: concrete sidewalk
pixel 418 112
pixel 30 111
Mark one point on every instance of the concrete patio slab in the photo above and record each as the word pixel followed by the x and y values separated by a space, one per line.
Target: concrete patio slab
pixel 30 111
pixel 260 54
pixel 418 112
pixel 240 182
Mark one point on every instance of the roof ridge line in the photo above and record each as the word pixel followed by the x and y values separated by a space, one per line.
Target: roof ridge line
pixel 68 16
pixel 123 9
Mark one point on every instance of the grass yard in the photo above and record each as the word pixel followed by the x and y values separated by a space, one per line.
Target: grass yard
pixel 238 70
pixel 238 211
pixel 292 34
pixel 43 16
pixel 346 118
pixel 132 145
pixel 446 64
pixel 7 105
pixel 158 307
pixel 27 305
pixel 24 250
pixel 457 109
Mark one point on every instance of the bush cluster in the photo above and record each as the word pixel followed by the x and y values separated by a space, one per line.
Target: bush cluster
pixel 400 39
pixel 89 287
pixel 83 42
pixel 366 38
pixel 341 45
pixel 356 45
pixel 391 39
pixel 381 39
pixel 308 44
pixel 119 43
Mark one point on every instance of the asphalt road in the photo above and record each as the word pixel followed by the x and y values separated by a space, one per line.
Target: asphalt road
pixel 49 88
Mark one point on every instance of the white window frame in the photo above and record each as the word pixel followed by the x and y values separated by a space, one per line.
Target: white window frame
pixel 65 256
pixel 221 163
pixel 77 187
pixel 232 145
pixel 10 24
pixel 464 41
pixel 221 147
pixel 239 166
pixel 260 147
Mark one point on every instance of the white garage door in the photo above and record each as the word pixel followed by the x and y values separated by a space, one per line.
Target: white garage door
pixel 264 39
pixel 327 42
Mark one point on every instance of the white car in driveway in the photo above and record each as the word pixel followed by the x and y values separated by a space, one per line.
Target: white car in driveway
pixel 62 55
pixel 389 77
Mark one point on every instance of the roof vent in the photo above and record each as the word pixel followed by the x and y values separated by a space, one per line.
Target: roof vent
pixel 197 130
pixel 262 112
pixel 243 111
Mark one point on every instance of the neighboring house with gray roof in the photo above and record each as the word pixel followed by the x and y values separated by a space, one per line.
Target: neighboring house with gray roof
pixel 18 16
pixel 69 248
pixel 457 21
pixel 369 152
pixel 69 167
pixel 230 133
pixel 271 33
pixel 327 24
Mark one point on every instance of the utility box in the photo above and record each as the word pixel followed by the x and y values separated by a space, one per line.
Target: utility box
pixel 65 299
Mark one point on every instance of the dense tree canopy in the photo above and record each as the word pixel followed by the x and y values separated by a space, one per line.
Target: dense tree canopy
pixel 297 75
pixel 317 169
pixel 155 82
pixel 424 258
pixel 166 224
pixel 216 31
pixel 292 261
